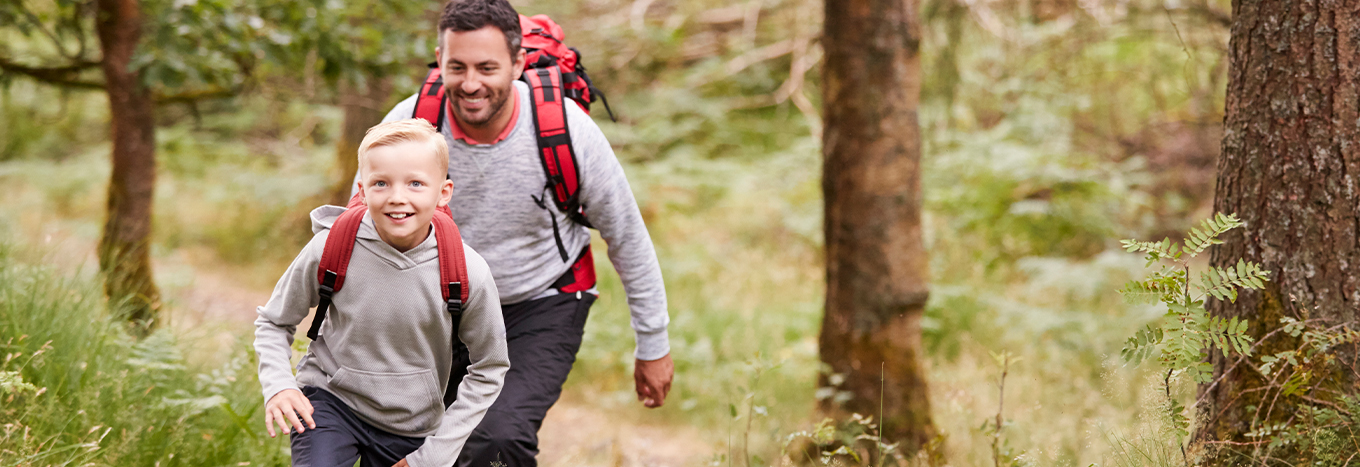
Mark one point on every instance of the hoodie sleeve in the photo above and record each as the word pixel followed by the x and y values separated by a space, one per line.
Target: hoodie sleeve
pixel 292 300
pixel 483 330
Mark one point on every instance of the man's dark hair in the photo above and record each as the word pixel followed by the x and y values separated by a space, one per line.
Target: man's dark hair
pixel 471 15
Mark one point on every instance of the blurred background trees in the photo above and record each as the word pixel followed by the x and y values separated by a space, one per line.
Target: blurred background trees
pixel 1048 129
pixel 159 53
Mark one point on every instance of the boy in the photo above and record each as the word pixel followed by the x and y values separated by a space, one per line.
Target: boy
pixel 372 382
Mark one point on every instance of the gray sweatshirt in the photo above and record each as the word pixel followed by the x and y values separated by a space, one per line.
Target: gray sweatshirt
pixel 385 348
pixel 494 186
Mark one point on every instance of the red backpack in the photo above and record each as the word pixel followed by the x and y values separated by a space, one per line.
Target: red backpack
pixel 553 72
pixel 453 276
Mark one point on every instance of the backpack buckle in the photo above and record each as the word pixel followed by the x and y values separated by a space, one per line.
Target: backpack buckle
pixel 455 301
pixel 327 288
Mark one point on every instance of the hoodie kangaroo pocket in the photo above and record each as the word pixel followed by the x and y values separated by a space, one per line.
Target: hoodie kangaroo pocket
pixel 399 402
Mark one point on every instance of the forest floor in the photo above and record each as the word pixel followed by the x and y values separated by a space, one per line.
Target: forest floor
pixel 215 306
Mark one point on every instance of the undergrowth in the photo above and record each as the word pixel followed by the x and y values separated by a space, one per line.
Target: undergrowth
pixel 75 389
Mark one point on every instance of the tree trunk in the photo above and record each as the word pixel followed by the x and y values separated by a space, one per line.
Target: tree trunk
pixel 875 260
pixel 364 107
pixel 1289 168
pixel 124 256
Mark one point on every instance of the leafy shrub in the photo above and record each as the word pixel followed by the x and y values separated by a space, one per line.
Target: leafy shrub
pixel 76 389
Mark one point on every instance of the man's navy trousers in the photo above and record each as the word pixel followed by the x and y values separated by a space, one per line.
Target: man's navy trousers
pixel 543 337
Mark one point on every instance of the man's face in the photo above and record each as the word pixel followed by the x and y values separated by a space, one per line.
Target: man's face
pixel 479 73
pixel 403 186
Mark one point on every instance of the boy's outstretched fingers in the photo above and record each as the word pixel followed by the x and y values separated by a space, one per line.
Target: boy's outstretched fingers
pixel 284 409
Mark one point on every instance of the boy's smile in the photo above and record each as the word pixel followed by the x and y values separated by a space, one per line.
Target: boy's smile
pixel 403 185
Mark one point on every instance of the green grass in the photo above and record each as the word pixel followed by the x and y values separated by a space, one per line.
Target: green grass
pixel 97 397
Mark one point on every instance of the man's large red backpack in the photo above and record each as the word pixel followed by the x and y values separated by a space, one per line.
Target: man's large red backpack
pixel 554 73
pixel 453 276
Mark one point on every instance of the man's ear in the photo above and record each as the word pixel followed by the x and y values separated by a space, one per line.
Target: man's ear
pixel 438 59
pixel 518 66
pixel 445 193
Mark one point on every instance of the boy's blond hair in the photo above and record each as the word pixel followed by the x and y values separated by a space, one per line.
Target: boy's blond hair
pixel 401 131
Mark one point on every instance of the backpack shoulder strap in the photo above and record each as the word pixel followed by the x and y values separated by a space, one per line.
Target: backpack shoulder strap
pixel 430 102
pixel 330 273
pixel 453 282
pixel 453 276
pixel 554 140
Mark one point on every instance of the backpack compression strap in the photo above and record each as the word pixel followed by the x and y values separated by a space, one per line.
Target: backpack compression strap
pixel 554 141
pixel 335 258
pixel 430 102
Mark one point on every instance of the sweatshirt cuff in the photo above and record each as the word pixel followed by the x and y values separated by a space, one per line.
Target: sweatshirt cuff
pixel 652 345
pixel 271 390
pixel 420 457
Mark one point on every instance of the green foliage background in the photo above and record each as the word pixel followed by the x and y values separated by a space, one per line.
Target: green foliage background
pixel 1050 129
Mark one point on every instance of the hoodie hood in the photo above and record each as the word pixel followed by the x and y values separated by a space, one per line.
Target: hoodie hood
pixel 325 216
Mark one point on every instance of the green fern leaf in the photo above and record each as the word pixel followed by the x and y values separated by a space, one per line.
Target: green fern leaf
pixel 1141 293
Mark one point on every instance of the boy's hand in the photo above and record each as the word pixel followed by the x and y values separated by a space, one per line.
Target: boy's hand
pixel 653 380
pixel 401 463
pixel 283 408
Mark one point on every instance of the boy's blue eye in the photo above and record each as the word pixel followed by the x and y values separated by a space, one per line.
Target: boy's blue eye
pixel 417 184
pixel 379 184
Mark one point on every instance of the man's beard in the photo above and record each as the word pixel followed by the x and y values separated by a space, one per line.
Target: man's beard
pixel 498 100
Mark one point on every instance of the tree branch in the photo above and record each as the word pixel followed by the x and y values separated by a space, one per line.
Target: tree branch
pixel 66 76
pixel 195 95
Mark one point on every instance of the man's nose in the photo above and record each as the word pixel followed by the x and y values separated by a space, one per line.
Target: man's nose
pixel 472 84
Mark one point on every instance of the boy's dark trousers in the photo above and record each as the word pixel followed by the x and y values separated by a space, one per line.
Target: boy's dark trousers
pixel 543 337
pixel 340 437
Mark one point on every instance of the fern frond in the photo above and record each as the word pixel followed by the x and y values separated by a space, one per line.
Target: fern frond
pixel 1206 235
pixel 1229 335
pixel 1142 345
pixel 1141 292
pixel 1155 250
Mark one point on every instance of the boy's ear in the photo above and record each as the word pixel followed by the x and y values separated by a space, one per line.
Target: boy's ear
pixel 360 184
pixel 445 193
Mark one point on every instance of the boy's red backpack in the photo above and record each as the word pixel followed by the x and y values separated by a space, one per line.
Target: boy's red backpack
pixel 554 73
pixel 453 276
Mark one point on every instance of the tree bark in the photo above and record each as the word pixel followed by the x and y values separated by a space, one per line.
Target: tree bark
pixel 124 256
pixel 1290 169
pixel 876 261
pixel 364 107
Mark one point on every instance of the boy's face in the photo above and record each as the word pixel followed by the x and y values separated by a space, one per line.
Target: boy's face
pixel 479 73
pixel 403 186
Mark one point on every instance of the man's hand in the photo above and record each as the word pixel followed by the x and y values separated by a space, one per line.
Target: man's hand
pixel 653 379
pixel 283 408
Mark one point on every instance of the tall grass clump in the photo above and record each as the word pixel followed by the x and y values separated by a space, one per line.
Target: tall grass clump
pixel 75 389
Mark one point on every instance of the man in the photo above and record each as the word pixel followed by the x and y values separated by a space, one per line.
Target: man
pixel 505 213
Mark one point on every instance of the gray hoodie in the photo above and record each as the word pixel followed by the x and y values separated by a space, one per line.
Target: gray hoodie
pixel 385 347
